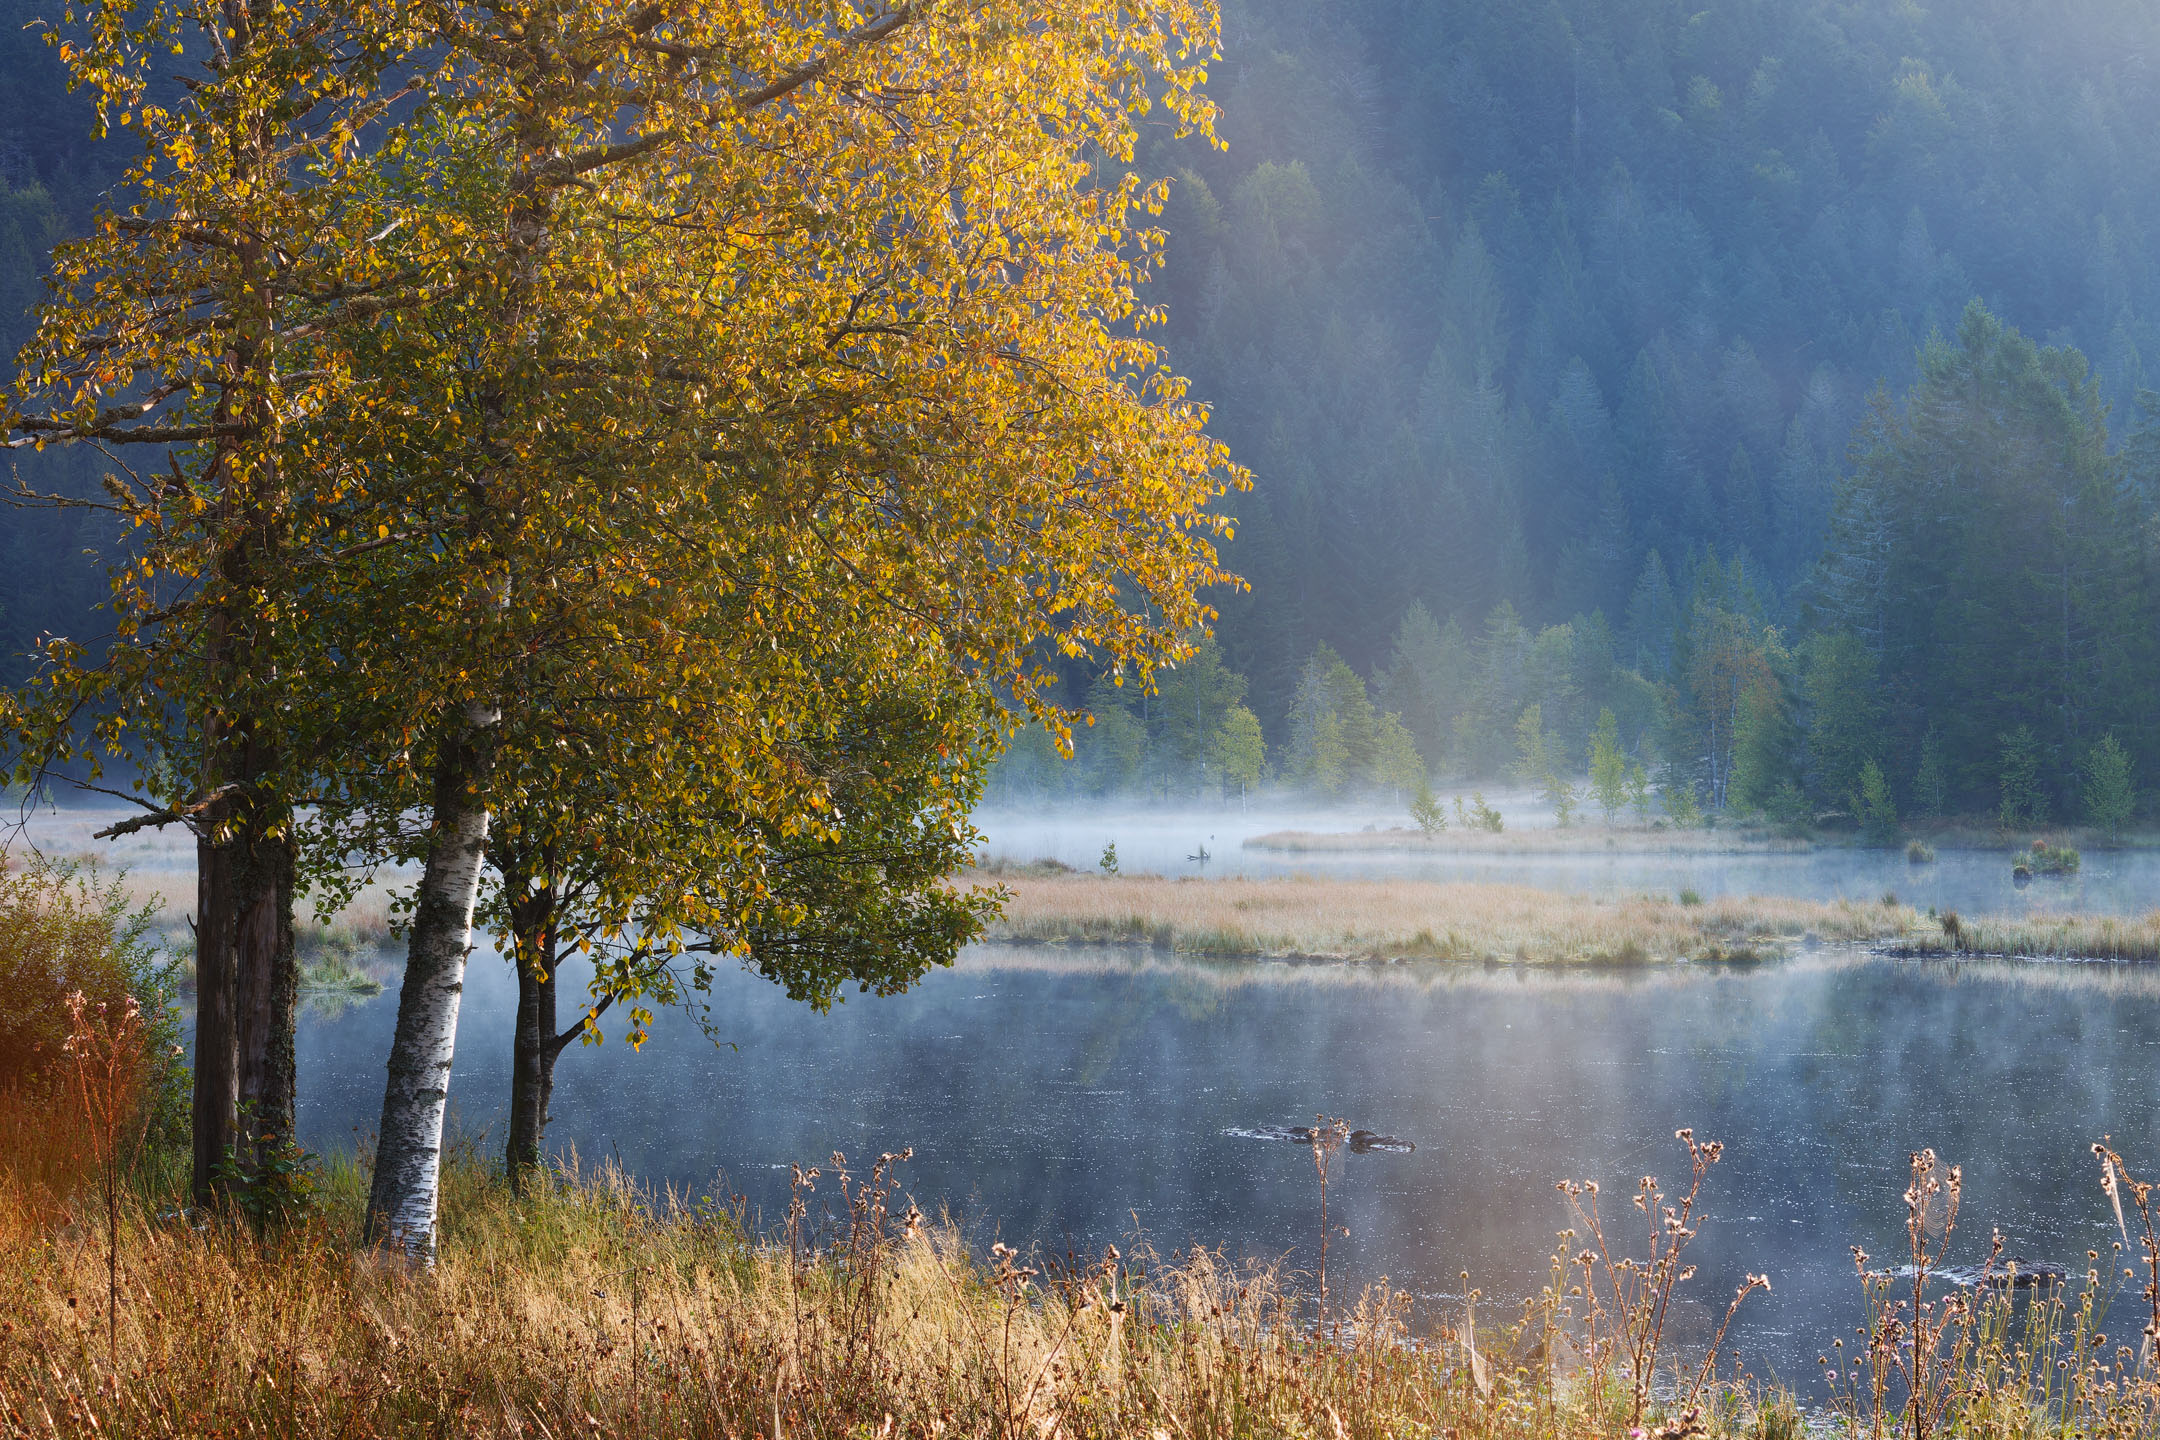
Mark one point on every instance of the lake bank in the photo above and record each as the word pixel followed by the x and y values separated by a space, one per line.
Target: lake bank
pixel 1590 837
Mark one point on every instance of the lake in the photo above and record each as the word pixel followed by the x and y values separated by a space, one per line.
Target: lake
pixel 1074 1096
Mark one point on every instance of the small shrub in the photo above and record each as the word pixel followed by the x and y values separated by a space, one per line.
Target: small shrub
pixel 1425 809
pixel 1682 806
pixel 1919 852
pixel 1788 811
pixel 1690 897
pixel 67 933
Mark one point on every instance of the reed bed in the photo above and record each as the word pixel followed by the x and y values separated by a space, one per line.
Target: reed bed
pixel 1412 919
pixel 2040 935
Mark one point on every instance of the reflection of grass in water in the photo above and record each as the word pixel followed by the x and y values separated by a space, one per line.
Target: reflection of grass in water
pixel 1411 919
pixel 332 976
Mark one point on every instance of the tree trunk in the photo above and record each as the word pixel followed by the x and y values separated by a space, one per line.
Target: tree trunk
pixel 247 983
pixel 532 1045
pixel 403 1199
pixel 536 1044
pixel 217 1070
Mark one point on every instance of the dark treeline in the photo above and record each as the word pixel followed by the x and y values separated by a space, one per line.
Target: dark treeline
pixel 51 175
pixel 1573 343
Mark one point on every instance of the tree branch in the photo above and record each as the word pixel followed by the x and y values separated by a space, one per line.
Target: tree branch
pixel 869 34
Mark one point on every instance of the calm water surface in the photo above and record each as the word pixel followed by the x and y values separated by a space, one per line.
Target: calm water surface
pixel 1079 1096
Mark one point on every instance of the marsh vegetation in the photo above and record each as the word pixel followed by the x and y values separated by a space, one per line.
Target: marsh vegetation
pixel 1408 919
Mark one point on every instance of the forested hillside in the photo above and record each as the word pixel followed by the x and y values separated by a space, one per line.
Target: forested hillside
pixel 1577 309
pixel 1495 299
pixel 1551 332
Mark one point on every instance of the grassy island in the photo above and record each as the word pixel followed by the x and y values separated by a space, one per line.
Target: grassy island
pixel 1413 919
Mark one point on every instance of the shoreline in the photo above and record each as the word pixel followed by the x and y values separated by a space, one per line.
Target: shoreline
pixel 1592 839
pixel 1303 919
pixel 1352 919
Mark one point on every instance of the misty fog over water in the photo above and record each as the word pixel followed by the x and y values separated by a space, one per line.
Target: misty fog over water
pixel 1163 841
pixel 1058 1096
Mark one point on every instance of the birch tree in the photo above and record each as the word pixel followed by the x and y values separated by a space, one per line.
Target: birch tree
pixel 834 325
pixel 171 342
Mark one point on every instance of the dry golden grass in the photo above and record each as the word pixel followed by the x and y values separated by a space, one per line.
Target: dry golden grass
pixel 2040 935
pixel 1414 919
pixel 589 1309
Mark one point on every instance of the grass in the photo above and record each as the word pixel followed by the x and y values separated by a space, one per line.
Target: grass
pixel 591 1307
pixel 2040 935
pixel 1410 919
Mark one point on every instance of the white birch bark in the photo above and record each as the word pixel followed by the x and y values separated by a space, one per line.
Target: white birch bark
pixel 403 1199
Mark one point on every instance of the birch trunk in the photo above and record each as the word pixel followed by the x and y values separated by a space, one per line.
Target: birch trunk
pixel 404 1197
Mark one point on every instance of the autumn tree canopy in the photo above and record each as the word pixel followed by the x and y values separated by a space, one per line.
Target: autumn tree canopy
pixel 692 375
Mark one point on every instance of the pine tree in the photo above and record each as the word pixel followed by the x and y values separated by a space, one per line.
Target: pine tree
pixel 1931 786
pixel 1844 711
pixel 1653 615
pixel 1240 751
pixel 1765 742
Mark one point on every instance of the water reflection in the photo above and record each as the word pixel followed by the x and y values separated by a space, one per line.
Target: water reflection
pixel 1058 1095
